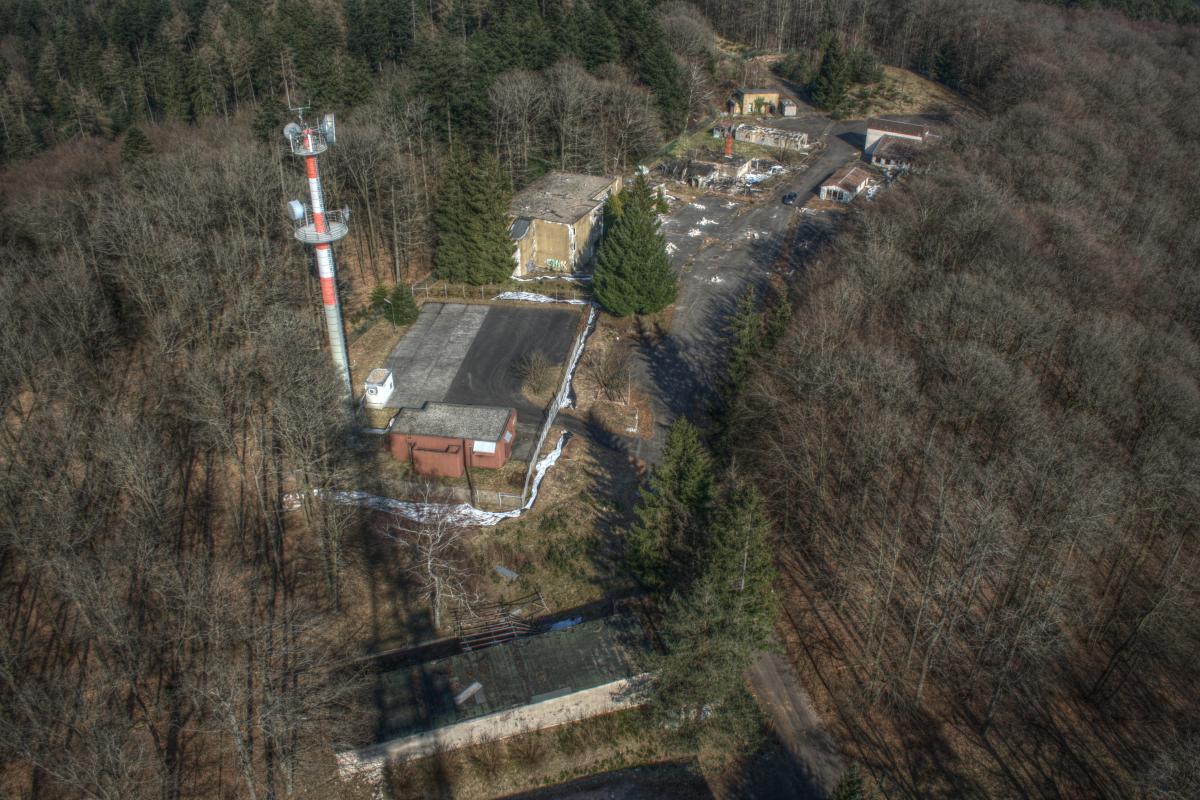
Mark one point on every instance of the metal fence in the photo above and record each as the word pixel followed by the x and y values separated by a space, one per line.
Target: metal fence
pixel 487 499
pixel 436 290
pixel 556 404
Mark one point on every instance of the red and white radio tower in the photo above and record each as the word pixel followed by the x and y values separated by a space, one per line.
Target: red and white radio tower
pixel 321 228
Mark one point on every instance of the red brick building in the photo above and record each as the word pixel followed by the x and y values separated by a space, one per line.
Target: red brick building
pixel 443 440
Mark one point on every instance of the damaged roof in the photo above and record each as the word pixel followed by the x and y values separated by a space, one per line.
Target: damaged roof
pixel 848 178
pixel 897 127
pixel 896 148
pixel 561 197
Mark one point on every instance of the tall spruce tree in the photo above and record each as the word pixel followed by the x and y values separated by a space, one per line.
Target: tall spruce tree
pixel 833 78
pixel 714 628
pixel 633 273
pixel 136 147
pixel 471 220
pixel 745 340
pixel 594 37
pixel 673 511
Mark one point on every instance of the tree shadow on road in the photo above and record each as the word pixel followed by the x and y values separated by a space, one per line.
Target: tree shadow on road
pixel 772 772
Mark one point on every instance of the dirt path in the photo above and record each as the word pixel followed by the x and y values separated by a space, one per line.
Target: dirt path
pixel 809 764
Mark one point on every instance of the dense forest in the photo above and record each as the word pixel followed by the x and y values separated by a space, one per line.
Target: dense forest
pixel 978 436
pixel 169 631
pixel 95 69
pixel 981 436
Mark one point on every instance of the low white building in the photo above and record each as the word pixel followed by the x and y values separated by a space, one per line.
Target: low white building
pixel 378 388
pixel 845 184
pixel 878 129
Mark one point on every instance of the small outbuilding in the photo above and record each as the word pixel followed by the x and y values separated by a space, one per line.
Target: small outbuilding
pixel 754 101
pixel 845 184
pixel 378 388
pixel 789 106
pixel 444 440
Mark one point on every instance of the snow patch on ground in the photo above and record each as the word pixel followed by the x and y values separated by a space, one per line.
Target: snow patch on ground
pixel 671 248
pixel 731 204
pixel 568 400
pixel 460 514
pixel 706 221
pixel 716 279
pixel 695 232
pixel 700 206
pixel 534 297
pixel 573 278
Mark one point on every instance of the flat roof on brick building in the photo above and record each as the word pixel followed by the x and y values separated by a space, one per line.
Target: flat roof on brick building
pixel 453 421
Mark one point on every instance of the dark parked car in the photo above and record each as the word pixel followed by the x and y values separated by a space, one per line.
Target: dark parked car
pixel 789 199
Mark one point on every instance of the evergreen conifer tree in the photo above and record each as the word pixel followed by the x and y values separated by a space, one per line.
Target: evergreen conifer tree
pixel 850 787
pixel 269 119
pixel 633 273
pixel 745 340
pixel 400 307
pixel 673 510
pixel 833 78
pixel 714 628
pixel 451 214
pixel 136 148
pixel 598 39
pixel 471 219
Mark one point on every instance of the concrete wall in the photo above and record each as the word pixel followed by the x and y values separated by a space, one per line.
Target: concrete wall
pixel 745 103
pixel 771 137
pixel 573 707
pixel 569 247
pixel 553 244
pixel 526 252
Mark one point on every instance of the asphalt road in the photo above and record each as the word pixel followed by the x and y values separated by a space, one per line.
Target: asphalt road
pixel 670 781
pixel 682 367
pixel 809 764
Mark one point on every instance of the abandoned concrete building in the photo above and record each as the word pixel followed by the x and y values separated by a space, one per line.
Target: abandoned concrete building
pixel 845 184
pixel 767 137
pixel 708 167
pixel 895 153
pixel 444 440
pixel 528 680
pixel 879 129
pixel 754 101
pixel 558 220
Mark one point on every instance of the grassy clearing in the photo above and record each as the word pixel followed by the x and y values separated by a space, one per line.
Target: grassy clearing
pixel 371 350
pixel 902 92
pixel 569 545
